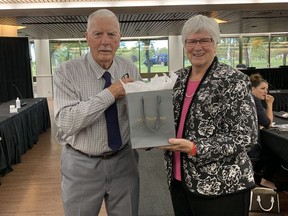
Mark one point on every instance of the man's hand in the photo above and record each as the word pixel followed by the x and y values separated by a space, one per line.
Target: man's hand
pixel 117 88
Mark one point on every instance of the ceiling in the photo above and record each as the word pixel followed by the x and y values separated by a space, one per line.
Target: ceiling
pixel 45 20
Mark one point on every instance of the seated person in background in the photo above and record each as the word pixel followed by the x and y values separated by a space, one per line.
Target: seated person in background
pixel 267 161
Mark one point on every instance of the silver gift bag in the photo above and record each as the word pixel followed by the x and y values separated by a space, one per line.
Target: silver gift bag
pixel 151 118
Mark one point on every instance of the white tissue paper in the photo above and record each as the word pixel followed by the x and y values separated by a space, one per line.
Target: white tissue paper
pixel 281 127
pixel 156 83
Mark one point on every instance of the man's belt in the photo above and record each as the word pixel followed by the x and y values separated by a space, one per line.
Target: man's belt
pixel 103 156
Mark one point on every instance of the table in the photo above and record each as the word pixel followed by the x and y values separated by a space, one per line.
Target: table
pixel 275 140
pixel 19 131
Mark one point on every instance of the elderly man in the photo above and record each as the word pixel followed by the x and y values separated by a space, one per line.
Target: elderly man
pixel 97 160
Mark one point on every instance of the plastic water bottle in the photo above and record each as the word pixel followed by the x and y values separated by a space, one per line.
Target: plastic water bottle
pixel 18 103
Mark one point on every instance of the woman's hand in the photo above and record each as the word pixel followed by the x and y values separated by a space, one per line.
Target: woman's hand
pixel 269 110
pixel 180 145
pixel 269 99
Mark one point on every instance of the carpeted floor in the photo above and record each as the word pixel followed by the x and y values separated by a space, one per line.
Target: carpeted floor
pixel 154 194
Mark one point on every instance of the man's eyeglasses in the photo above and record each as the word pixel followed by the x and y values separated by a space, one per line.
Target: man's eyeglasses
pixel 203 42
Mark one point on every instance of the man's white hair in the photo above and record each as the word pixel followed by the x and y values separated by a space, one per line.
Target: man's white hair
pixel 102 13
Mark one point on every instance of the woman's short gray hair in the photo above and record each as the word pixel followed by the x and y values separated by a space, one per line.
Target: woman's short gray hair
pixel 102 13
pixel 201 23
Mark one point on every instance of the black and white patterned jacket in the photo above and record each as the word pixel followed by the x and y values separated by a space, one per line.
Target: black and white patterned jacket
pixel 222 121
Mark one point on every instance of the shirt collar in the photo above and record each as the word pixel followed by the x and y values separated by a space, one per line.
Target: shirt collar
pixel 98 69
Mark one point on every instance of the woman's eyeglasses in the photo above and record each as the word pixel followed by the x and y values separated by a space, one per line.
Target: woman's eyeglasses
pixel 203 42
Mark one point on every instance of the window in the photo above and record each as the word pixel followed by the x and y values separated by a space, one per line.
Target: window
pixel 153 55
pixel 278 50
pixel 32 57
pixel 61 51
pixel 129 49
pixel 186 62
pixel 228 51
pixel 149 55
pixel 255 51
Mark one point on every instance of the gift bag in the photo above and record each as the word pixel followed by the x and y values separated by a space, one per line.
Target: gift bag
pixel 264 200
pixel 151 118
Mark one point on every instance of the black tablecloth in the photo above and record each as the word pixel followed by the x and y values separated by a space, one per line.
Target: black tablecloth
pixel 275 140
pixel 20 131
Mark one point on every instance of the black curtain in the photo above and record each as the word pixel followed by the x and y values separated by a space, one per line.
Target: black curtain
pixel 276 77
pixel 15 69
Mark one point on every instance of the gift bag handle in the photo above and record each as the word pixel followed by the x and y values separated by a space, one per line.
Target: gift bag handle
pixel 272 203
pixel 157 121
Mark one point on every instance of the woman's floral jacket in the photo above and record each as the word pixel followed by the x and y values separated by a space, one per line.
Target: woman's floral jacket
pixel 222 121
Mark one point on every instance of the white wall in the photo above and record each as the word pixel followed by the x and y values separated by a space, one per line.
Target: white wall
pixel 175 53
pixel 43 69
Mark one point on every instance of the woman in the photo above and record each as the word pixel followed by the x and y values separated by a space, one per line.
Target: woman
pixel 267 161
pixel 209 171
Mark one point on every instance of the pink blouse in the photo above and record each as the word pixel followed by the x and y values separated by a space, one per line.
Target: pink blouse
pixel 191 88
